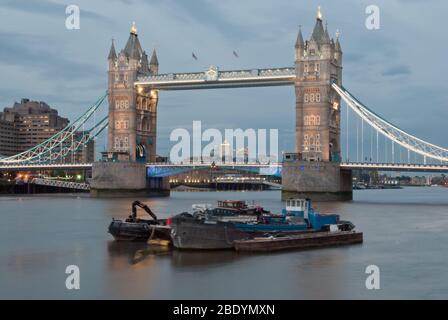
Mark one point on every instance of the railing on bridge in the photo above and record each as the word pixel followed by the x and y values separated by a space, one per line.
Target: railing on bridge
pixel 44 166
pixel 61 184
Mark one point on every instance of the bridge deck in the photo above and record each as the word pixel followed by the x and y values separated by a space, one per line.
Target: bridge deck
pixel 346 165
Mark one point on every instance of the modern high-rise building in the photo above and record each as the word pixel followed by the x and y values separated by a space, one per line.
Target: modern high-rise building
pixel 28 123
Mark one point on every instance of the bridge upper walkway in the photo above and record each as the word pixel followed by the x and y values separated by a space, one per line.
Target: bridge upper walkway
pixel 213 78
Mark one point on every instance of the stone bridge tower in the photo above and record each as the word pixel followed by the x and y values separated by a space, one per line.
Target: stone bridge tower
pixel 318 63
pixel 132 110
pixel 315 172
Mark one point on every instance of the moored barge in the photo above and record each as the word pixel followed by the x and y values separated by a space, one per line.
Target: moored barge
pixel 300 241
pixel 207 230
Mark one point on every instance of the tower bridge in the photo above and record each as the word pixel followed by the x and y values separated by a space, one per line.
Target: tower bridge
pixel 317 170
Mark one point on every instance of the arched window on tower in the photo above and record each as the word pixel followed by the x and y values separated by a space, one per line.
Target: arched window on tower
pixel 306 142
pixel 317 142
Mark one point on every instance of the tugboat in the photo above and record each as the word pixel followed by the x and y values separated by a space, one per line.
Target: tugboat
pixel 136 229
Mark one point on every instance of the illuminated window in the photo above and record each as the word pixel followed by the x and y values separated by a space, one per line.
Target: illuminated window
pixel 306 68
pixel 312 97
pixel 317 97
pixel 317 67
pixel 307 97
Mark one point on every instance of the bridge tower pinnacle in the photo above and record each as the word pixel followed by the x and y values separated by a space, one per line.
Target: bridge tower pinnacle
pixel 132 110
pixel 318 63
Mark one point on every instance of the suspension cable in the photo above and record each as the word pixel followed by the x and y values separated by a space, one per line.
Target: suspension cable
pixel 390 131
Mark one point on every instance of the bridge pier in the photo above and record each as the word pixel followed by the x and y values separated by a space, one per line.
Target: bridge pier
pixel 319 181
pixel 158 185
pixel 125 179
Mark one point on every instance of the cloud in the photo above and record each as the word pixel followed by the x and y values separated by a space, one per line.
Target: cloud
pixel 29 51
pixel 396 71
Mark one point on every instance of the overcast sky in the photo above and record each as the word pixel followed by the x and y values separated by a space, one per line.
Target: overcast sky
pixel 399 70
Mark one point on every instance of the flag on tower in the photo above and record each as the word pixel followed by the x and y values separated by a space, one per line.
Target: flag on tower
pixel 194 56
pixel 235 54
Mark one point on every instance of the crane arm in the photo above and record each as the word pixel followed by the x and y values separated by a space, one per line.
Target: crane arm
pixel 136 204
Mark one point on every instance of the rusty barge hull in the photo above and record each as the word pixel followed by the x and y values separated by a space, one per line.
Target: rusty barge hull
pixel 303 241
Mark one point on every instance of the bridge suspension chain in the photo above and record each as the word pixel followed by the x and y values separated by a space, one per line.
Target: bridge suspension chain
pixel 71 148
pixel 60 144
pixel 390 131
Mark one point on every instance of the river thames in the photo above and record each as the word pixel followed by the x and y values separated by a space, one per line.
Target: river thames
pixel 405 235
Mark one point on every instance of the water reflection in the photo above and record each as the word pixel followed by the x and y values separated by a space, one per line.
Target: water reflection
pixel 193 259
pixel 123 254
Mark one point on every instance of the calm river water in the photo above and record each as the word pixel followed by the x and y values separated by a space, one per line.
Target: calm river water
pixel 405 235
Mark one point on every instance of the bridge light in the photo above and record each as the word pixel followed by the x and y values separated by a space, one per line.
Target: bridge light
pixel 139 89
pixel 153 94
pixel 335 105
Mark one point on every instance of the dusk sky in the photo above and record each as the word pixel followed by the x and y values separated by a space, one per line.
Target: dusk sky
pixel 399 70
